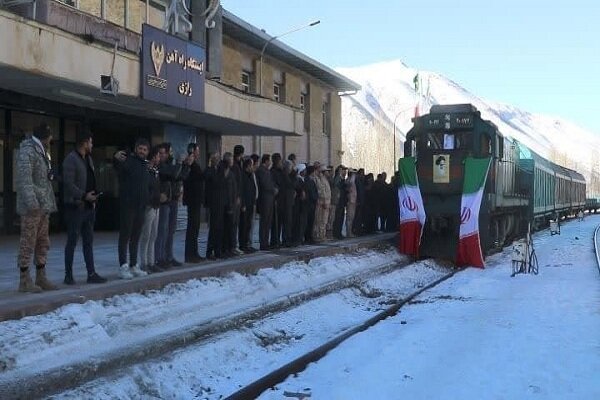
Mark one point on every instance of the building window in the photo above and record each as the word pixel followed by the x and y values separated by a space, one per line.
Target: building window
pixel 325 118
pixel 277 95
pixel 246 82
pixel 72 3
pixel 302 100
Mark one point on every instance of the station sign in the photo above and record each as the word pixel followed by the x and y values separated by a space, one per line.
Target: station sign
pixel 172 70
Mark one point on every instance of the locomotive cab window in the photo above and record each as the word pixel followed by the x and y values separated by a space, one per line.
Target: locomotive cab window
pixel 448 140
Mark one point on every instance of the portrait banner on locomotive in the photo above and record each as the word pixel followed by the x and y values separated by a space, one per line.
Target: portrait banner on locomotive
pixel 469 244
pixel 441 168
pixel 412 211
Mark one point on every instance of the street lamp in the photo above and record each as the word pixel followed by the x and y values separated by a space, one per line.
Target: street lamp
pixel 262 53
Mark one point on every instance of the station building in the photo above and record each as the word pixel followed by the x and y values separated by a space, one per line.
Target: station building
pixel 110 65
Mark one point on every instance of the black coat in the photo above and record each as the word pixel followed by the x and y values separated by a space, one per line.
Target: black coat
pixel 248 191
pixel 154 188
pixel 193 187
pixel 266 187
pixel 134 181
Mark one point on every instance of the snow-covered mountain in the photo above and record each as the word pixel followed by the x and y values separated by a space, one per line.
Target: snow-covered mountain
pixel 388 93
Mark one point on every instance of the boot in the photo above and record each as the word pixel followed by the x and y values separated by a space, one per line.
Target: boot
pixel 26 284
pixel 41 280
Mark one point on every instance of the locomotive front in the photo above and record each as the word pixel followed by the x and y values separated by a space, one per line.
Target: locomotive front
pixel 440 142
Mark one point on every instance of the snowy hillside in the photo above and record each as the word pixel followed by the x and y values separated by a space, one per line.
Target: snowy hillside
pixel 388 92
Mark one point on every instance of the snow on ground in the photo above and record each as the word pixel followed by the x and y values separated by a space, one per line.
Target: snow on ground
pixel 222 365
pixel 481 335
pixel 79 332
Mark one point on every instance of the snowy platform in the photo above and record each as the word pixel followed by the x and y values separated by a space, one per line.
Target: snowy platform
pixel 16 305
pixel 481 335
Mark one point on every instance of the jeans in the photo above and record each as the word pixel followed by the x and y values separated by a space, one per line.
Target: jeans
pixel 132 221
pixel 148 237
pixel 80 221
pixel 163 232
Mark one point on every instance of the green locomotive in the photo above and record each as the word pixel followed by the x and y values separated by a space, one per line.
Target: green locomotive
pixel 521 187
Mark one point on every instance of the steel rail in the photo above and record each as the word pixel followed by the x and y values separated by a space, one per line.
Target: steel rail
pixel 256 388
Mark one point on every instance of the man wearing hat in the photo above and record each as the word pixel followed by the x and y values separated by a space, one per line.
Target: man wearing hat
pixel 35 202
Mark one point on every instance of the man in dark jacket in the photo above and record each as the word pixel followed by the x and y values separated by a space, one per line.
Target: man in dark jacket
pixel 278 211
pixel 266 198
pixel 312 195
pixel 150 227
pixel 238 171
pixel 212 203
pixel 193 197
pixel 247 206
pixel 80 198
pixel 171 174
pixel 134 181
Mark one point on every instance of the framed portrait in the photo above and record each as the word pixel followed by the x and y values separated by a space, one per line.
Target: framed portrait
pixel 441 168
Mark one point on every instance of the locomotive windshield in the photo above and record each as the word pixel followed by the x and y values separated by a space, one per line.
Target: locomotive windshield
pixel 448 140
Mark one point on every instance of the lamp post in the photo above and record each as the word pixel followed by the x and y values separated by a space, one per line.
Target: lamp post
pixel 262 53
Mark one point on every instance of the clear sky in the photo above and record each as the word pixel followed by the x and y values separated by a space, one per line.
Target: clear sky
pixel 540 55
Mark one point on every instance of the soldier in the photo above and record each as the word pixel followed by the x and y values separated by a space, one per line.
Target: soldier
pixel 351 202
pixel 35 202
pixel 323 203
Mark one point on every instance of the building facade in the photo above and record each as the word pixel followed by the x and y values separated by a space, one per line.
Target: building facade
pixel 210 86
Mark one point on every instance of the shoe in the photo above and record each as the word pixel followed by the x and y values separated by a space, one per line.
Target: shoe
pixel 155 269
pixel 175 263
pixel 211 257
pixel 26 284
pixel 251 249
pixel 95 278
pixel 41 280
pixel 194 260
pixel 237 252
pixel 69 278
pixel 137 272
pixel 125 272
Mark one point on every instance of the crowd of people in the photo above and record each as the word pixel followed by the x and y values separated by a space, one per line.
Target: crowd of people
pixel 297 203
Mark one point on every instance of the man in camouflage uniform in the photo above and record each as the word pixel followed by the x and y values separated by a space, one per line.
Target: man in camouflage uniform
pixel 35 202
pixel 323 203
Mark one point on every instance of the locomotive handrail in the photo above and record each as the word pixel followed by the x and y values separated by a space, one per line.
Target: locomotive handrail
pixel 596 247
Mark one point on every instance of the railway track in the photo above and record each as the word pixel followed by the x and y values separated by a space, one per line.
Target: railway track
pixel 266 382
pixel 59 379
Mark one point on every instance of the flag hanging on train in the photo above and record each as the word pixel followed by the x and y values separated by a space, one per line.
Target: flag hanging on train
pixel 469 246
pixel 412 212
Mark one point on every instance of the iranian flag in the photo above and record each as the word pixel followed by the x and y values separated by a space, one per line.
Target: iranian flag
pixel 469 245
pixel 412 212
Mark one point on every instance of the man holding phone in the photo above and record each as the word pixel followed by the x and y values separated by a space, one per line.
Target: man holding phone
pixel 80 199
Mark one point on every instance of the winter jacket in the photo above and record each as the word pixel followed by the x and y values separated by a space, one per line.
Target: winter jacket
pixel 248 190
pixel 74 172
pixel 193 187
pixel 154 188
pixel 34 187
pixel 134 181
